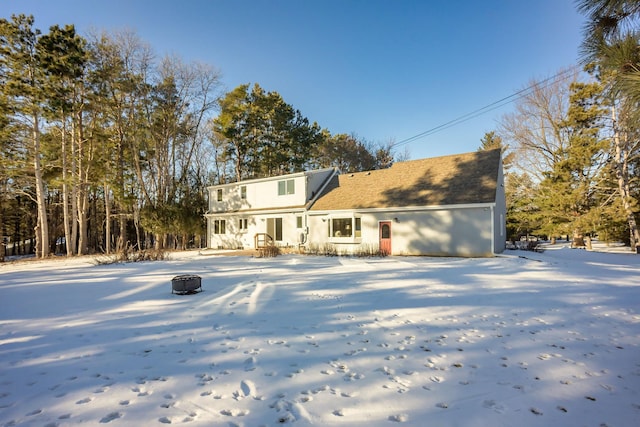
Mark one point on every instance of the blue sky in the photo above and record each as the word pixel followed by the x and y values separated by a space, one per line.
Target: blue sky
pixel 384 70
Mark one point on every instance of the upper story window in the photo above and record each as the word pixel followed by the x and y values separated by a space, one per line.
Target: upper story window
pixel 243 192
pixel 286 187
pixel 219 194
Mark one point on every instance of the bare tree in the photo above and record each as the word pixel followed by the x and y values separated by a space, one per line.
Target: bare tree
pixel 533 130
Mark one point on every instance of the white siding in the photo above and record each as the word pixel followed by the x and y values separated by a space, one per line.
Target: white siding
pixel 235 238
pixel 437 232
pixel 259 194
pixel 500 214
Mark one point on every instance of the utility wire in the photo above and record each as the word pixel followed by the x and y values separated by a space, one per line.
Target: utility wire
pixel 490 107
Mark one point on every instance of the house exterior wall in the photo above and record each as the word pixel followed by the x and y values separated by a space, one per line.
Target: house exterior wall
pixel 236 237
pixel 250 207
pixel 500 214
pixel 461 231
pixel 259 194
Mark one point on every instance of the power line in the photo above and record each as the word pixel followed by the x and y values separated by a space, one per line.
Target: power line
pixel 490 107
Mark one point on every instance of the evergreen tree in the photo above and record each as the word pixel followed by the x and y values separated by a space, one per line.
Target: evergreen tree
pixel 346 152
pixel 567 194
pixel 264 135
pixel 23 91
pixel 63 57
pixel 611 39
pixel 612 43
pixel 491 140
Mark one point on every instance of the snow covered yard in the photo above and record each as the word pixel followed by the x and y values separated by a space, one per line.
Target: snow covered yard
pixel 548 340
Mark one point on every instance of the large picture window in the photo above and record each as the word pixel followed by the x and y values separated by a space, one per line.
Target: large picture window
pixel 342 227
pixel 345 227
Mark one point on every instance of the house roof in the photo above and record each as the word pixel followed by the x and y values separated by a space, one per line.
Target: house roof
pixel 448 180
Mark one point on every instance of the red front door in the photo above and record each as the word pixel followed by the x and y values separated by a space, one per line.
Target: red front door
pixel 385 237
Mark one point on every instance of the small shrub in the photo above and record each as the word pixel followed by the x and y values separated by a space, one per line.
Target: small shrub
pixel 362 251
pixel 326 249
pixel 128 255
pixel 148 255
pixel 268 252
pixel 369 250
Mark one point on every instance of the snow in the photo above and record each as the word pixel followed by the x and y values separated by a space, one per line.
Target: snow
pixel 522 339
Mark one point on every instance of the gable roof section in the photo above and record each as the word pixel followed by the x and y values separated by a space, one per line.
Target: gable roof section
pixel 448 180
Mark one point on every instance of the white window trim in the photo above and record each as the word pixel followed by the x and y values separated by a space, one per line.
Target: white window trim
pixel 217 223
pixel 347 239
pixel 245 222
pixel 285 183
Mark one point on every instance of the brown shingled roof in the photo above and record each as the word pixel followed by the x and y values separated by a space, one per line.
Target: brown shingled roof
pixel 448 180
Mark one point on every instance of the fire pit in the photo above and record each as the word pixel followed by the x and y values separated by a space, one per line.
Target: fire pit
pixel 186 284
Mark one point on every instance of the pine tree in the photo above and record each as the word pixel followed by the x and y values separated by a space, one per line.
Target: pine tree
pixel 567 194
pixel 23 91
pixel 612 42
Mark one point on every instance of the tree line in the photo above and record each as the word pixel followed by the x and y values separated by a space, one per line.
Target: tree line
pixel 105 147
pixel 573 143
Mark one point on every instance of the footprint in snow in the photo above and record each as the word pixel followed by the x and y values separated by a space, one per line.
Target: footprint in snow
pixel 110 417
pixel 495 406
pixel 247 389
pixel 250 364
pixel 399 418
pixel 235 412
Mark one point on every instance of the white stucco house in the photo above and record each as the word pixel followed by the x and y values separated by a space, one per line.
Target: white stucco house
pixel 443 206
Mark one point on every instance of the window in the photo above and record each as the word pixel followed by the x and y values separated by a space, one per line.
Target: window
pixel 219 226
pixel 341 227
pixel 243 224
pixel 243 192
pixel 219 194
pixel 286 187
pixel 345 227
pixel 298 222
pixel 385 232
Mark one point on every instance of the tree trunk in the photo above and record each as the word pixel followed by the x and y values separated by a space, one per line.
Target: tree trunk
pixel 136 223
pixel 2 234
pixel 122 225
pixel 84 165
pixel 65 190
pixel 42 227
pixel 622 175
pixel 107 219
pixel 74 190
pixel 83 222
